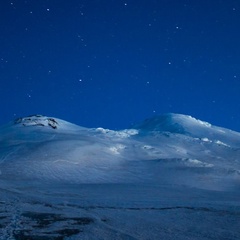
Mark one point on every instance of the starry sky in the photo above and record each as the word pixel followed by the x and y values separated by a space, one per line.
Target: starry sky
pixel 112 63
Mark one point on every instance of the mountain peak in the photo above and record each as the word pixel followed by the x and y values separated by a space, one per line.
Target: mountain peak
pixel 174 123
pixel 37 120
pixel 45 123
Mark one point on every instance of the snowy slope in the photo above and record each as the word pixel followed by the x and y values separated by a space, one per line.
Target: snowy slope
pixel 44 148
pixel 187 125
pixel 60 180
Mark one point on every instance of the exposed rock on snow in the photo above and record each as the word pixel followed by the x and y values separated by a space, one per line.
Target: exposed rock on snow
pixel 37 120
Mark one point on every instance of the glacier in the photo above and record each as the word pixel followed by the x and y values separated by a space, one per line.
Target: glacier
pixel 169 177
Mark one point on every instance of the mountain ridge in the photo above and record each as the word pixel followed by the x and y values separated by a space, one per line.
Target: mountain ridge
pixel 171 122
pixel 46 148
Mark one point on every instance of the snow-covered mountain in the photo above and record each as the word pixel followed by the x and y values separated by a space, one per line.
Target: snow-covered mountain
pixel 187 125
pixel 46 148
pixel 164 157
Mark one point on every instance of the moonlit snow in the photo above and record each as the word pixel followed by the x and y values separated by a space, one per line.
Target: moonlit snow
pixel 169 177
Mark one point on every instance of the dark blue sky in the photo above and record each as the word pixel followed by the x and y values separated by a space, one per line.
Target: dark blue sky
pixel 111 63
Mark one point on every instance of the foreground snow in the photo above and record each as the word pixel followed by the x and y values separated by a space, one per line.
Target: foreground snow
pixel 170 177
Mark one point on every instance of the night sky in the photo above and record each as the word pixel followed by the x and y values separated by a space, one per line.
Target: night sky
pixel 112 63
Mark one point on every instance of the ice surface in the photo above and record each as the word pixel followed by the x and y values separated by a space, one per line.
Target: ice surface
pixel 169 177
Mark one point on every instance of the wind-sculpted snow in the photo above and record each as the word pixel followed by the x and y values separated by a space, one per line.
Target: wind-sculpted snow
pixel 157 180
